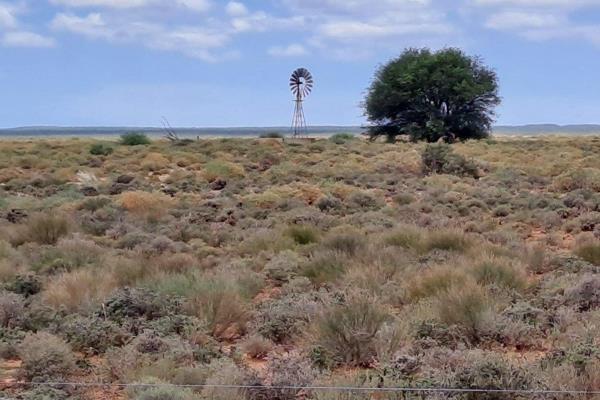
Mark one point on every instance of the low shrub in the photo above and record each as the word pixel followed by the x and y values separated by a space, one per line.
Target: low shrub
pixel 589 252
pixel 500 273
pixel 585 295
pixel 289 373
pixel 219 304
pixel 324 267
pixel 12 307
pixel 162 391
pixel 447 240
pixel 303 234
pixel 282 320
pixel 441 159
pixel 134 139
pixel 283 266
pixel 342 138
pixel 490 371
pixel 154 162
pixel 101 149
pixel 45 228
pixel 152 206
pixel 134 303
pixel 349 243
pixel 406 237
pixel 434 283
pixel 257 347
pixel 46 393
pixel 348 331
pixel 222 169
pixel 79 290
pixel 272 135
pixel 93 335
pixel 466 306
pixel 45 357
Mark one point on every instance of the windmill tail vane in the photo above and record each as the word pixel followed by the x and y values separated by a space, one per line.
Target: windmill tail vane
pixel 301 84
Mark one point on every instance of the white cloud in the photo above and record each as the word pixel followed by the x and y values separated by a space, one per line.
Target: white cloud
pixel 358 7
pixel 7 16
pixel 293 50
pixel 192 41
pixel 351 29
pixel 26 39
pixel 92 25
pixel 358 28
pixel 538 3
pixel 195 5
pixel 236 9
pixel 260 21
pixel 540 20
pixel 509 20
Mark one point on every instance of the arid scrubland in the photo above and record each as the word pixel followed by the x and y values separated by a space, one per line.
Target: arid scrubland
pixel 328 263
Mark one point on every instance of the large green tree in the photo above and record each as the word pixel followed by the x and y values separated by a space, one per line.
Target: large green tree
pixel 431 95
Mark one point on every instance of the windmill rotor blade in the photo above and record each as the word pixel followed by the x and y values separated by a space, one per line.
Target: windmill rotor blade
pixel 301 82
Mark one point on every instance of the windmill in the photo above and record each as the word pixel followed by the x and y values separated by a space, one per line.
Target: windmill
pixel 301 84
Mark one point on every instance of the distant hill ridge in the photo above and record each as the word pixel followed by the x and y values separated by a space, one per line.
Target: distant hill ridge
pixel 521 130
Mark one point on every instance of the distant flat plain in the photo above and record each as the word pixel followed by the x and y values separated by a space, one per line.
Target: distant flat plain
pixel 250 132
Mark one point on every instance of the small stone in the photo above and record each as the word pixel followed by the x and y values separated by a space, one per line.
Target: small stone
pixel 170 191
pixel 218 184
pixel 125 179
pixel 89 191
pixel 117 188
pixel 15 216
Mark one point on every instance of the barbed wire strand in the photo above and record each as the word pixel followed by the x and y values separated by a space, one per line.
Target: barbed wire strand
pixel 316 388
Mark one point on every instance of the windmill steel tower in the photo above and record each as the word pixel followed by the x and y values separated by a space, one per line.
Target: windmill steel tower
pixel 301 84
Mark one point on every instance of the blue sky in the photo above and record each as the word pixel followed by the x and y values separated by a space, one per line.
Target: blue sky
pixel 227 63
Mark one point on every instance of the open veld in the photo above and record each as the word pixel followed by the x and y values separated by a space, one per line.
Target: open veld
pixel 332 262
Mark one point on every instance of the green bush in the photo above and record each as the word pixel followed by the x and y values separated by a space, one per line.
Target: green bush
pixel 324 267
pixel 341 138
pixel 589 252
pixel 162 391
pixel 349 243
pixel 447 240
pixel 408 238
pixel 101 149
pixel 271 135
pixel 134 139
pixel 303 234
pixel 93 335
pixel 45 357
pixel 499 273
pixel 45 228
pixel 441 159
pixel 489 371
pixel 466 306
pixel 349 331
pixel 46 393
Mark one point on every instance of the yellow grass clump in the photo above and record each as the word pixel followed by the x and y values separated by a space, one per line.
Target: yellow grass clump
pixel 145 204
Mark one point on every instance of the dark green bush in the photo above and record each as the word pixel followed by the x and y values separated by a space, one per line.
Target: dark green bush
pixel 341 138
pixel 303 234
pixel 93 335
pixel 101 149
pixel 272 135
pixel 134 139
pixel 489 371
pixel 440 159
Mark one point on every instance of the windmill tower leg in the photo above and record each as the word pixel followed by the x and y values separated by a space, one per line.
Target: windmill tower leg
pixel 299 121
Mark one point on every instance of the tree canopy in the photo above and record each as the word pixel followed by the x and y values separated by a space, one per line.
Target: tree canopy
pixel 431 95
